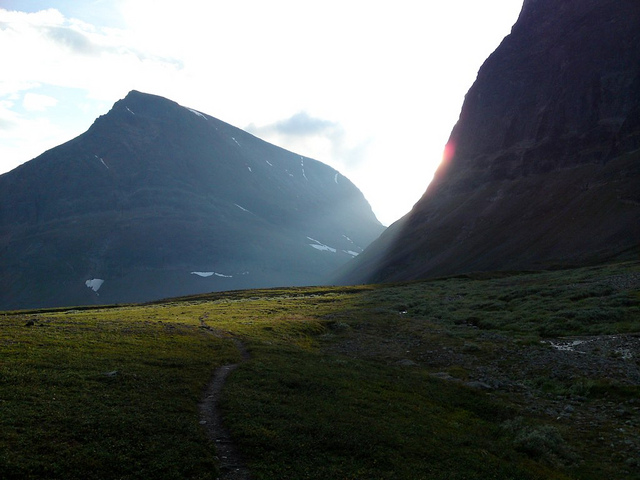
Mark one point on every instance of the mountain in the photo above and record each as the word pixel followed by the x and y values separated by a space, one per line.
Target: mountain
pixel 159 200
pixel 543 167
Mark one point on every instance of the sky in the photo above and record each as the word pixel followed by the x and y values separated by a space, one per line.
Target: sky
pixel 371 88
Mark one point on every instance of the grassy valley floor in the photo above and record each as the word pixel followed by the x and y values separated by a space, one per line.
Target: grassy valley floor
pixel 490 376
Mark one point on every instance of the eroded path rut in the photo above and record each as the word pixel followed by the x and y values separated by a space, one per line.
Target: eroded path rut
pixel 231 462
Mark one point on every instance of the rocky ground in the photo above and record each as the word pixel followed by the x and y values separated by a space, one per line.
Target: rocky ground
pixel 579 384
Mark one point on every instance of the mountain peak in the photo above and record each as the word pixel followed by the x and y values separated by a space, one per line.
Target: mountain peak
pixel 145 103
pixel 158 200
pixel 138 96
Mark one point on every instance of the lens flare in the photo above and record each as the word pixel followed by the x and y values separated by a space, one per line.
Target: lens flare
pixel 449 152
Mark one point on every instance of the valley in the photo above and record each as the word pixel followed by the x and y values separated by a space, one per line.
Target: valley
pixel 161 315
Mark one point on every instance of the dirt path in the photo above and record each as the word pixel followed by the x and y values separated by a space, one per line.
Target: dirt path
pixel 232 466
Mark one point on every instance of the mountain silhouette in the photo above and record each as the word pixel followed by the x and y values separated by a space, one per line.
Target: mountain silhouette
pixel 159 200
pixel 543 167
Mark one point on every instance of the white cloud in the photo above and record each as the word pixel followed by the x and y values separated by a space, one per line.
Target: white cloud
pixel 65 52
pixel 36 102
pixel 304 133
pixel 8 118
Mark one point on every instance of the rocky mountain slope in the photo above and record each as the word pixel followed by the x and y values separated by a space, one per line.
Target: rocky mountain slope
pixel 543 166
pixel 158 200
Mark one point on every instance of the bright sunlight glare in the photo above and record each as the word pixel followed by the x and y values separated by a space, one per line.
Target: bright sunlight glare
pixel 371 88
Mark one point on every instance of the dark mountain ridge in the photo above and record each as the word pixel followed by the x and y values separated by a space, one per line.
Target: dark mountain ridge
pixel 543 167
pixel 154 191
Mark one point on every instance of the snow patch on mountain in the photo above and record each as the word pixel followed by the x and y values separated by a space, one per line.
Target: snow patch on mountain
pixel 351 252
pixel 209 274
pixel 242 208
pixel 94 284
pixel 102 161
pixel 321 246
pixel 197 113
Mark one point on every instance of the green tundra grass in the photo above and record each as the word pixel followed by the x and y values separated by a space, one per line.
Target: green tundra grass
pixel 370 382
